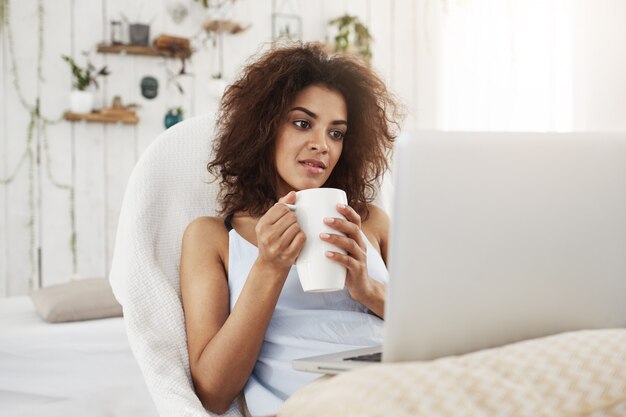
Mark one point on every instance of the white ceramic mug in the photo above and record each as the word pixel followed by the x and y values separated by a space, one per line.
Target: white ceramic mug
pixel 317 272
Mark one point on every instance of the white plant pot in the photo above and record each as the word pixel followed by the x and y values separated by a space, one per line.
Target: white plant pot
pixel 81 101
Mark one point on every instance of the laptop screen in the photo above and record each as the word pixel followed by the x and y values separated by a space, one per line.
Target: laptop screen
pixel 499 237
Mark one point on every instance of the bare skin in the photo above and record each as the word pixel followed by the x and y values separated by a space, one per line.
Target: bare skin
pixel 224 345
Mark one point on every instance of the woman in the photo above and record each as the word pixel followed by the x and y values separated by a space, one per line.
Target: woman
pixel 296 119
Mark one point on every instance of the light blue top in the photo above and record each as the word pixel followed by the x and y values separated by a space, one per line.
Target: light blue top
pixel 303 324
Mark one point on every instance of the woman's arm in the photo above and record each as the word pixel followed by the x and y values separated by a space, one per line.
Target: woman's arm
pixel 223 347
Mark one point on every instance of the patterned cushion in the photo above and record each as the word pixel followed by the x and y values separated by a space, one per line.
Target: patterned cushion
pixel 577 374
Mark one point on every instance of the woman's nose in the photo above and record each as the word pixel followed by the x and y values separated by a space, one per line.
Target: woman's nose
pixel 318 142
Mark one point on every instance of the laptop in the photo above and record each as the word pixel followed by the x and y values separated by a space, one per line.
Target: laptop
pixel 497 238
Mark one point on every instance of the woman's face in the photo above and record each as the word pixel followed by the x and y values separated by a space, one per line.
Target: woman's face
pixel 310 139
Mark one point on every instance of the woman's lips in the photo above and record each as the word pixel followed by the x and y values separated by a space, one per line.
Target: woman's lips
pixel 310 167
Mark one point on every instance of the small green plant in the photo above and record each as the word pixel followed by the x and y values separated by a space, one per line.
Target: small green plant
pixel 346 25
pixel 84 77
pixel 176 111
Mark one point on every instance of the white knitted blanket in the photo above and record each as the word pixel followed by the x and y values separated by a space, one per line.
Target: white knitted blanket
pixel 167 189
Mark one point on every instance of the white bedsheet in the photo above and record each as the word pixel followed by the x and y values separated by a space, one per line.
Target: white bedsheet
pixel 77 369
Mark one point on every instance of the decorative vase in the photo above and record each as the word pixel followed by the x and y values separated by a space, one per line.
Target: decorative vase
pixel 81 101
pixel 171 119
pixel 139 34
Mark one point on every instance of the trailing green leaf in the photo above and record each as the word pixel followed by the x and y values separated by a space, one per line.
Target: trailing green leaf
pixel 205 3
pixel 4 13
pixel 30 154
pixel 176 111
pixel 84 77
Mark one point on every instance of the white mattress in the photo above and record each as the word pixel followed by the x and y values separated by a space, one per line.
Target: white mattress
pixel 67 369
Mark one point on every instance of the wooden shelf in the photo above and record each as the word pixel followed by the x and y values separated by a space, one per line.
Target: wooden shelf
pixel 142 50
pixel 96 117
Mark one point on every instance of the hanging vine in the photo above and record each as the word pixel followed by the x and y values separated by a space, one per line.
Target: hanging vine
pixel 4 5
pixel 36 120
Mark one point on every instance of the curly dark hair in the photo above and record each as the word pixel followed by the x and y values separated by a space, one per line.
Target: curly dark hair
pixel 253 107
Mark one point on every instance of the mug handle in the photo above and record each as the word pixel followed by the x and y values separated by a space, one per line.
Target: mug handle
pixel 291 207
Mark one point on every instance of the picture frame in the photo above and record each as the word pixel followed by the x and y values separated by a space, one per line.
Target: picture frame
pixel 286 26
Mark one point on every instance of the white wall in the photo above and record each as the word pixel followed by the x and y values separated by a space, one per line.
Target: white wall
pixel 96 159
pixel 599 65
pixel 539 65
pixel 421 48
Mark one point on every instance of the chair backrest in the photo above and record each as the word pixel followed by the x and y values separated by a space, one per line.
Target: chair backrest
pixel 168 188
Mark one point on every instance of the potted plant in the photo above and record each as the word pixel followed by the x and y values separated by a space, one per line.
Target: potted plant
pixel 352 36
pixel 173 116
pixel 81 100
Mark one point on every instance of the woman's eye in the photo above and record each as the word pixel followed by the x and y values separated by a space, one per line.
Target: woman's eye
pixel 337 134
pixel 302 124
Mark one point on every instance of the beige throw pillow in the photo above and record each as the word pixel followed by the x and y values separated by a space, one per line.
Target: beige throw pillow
pixel 83 299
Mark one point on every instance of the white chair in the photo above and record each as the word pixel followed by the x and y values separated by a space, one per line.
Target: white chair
pixel 168 188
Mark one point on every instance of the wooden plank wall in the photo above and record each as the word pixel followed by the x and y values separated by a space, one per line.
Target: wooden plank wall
pixel 4 170
pixel 19 237
pixel 96 159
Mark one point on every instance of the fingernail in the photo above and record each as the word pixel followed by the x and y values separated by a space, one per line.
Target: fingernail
pixel 329 254
pixel 328 219
pixel 324 235
pixel 341 206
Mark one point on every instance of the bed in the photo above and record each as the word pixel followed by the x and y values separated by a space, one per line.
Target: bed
pixel 81 368
pixel 87 369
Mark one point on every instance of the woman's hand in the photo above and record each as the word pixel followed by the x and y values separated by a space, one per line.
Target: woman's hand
pixel 279 236
pixel 358 281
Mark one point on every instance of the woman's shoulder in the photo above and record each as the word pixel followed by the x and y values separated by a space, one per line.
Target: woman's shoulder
pixel 204 223
pixel 376 228
pixel 206 231
pixel 377 219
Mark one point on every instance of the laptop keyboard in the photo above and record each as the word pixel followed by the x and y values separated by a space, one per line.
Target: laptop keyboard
pixel 373 357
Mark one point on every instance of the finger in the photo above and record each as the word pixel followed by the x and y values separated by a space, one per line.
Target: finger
pixel 289 198
pixel 289 235
pixel 346 260
pixel 346 243
pixel 274 233
pixel 274 214
pixel 348 228
pixel 349 213
pixel 297 243
pixel 281 207
pixel 287 219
